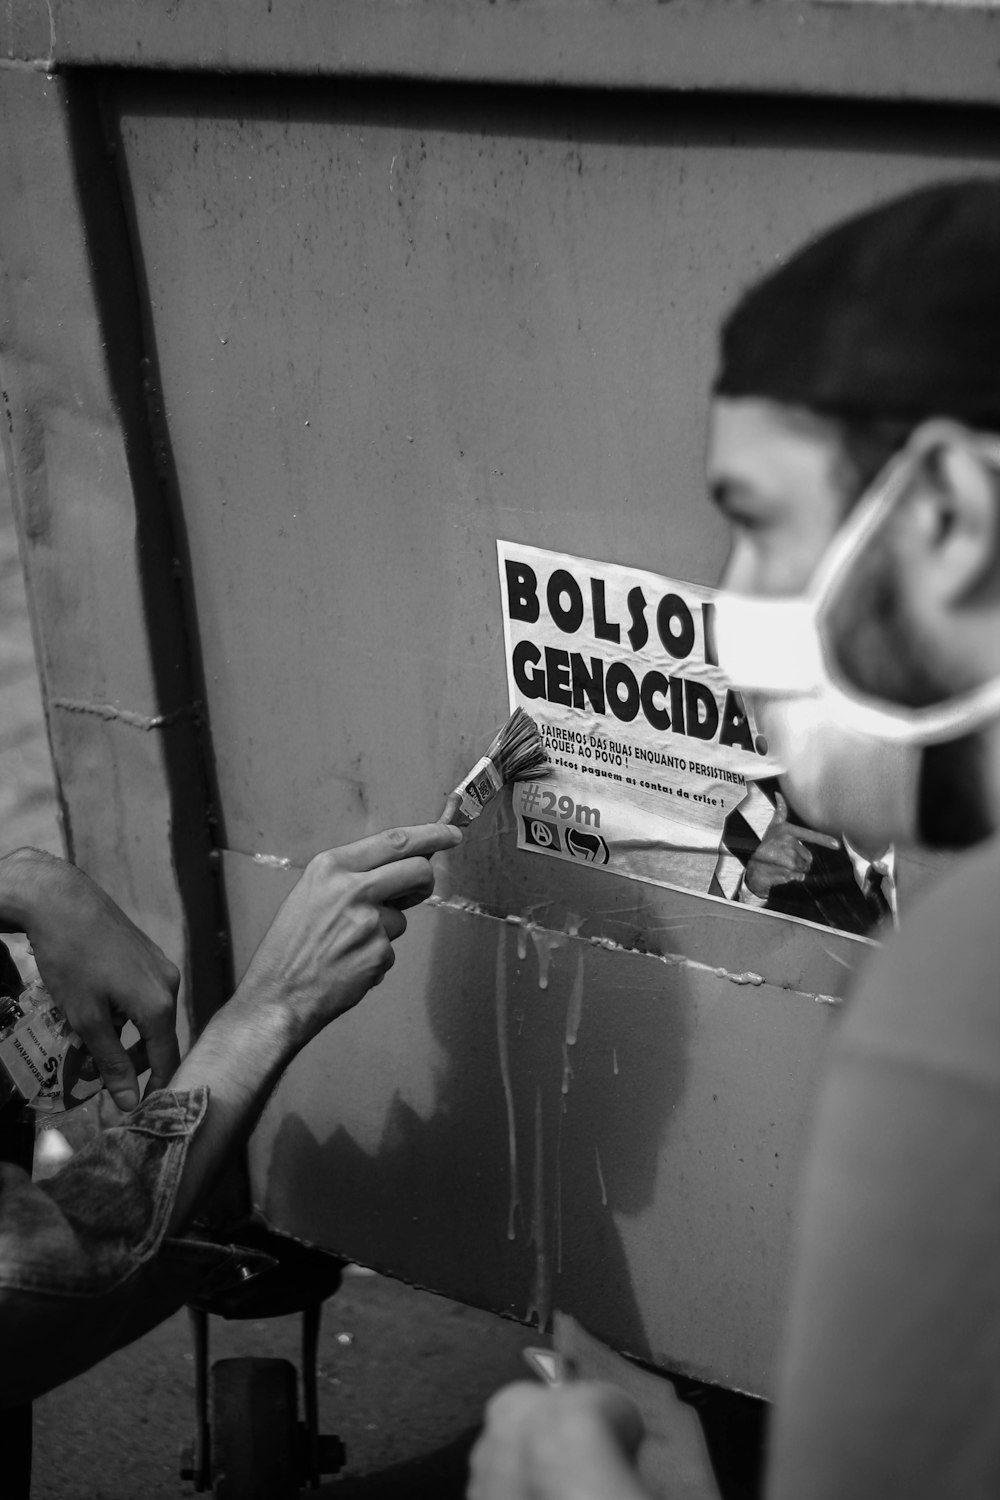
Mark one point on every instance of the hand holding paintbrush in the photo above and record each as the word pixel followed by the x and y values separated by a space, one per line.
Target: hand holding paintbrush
pixel 516 754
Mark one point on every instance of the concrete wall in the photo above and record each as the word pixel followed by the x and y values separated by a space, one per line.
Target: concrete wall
pixel 282 358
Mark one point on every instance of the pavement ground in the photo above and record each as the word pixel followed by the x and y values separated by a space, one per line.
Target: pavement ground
pixel 403 1376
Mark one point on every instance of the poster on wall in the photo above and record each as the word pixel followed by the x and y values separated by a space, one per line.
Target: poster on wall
pixel 658 771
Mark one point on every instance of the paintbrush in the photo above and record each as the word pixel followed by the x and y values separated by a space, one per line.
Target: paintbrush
pixel 551 1367
pixel 516 754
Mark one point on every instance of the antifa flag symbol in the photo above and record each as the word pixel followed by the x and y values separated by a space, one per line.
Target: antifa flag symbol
pixel 587 846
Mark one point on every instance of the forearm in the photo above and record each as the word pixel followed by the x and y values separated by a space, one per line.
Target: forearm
pixel 329 943
pixel 240 1056
pixel 20 888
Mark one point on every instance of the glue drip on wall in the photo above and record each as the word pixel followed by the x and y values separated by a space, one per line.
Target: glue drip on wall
pixel 508 1090
pixel 545 943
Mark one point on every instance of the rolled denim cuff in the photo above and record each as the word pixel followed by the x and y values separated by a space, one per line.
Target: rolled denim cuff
pixel 85 1231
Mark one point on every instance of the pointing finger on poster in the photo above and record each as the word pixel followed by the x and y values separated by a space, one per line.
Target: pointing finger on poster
pixel 781 856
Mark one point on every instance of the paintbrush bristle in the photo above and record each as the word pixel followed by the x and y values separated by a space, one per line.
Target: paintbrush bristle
pixel 517 750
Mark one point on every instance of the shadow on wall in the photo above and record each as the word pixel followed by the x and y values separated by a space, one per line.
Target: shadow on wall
pixel 28 807
pixel 552 1106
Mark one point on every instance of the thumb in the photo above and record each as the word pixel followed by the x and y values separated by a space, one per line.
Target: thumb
pixel 780 810
pixel 115 1066
pixel 623 1417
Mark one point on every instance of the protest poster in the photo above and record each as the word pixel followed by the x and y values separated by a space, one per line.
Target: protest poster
pixel 658 772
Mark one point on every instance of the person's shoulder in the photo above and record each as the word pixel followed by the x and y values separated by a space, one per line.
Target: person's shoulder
pixel 932 992
pixel 966 889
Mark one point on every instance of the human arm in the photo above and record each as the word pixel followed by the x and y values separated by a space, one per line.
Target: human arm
pixel 330 942
pixel 609 1428
pixel 88 1261
pixel 84 1267
pixel 99 968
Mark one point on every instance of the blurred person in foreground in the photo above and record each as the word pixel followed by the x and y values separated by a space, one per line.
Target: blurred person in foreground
pixel 855 453
pixel 95 1256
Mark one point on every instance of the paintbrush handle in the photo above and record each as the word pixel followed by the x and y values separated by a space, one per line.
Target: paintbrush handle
pixel 475 791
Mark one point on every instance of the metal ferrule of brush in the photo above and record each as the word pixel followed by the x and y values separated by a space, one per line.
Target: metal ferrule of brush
pixel 476 791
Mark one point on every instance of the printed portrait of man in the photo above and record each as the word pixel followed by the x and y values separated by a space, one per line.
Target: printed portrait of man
pixel 770 861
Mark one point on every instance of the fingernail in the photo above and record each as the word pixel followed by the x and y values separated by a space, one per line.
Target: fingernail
pixel 127 1100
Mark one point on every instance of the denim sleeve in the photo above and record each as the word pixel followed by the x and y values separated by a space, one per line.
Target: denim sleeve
pixel 84 1263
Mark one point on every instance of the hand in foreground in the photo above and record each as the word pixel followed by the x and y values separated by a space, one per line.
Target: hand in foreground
pixel 780 857
pixel 576 1442
pixel 332 939
pixel 96 964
